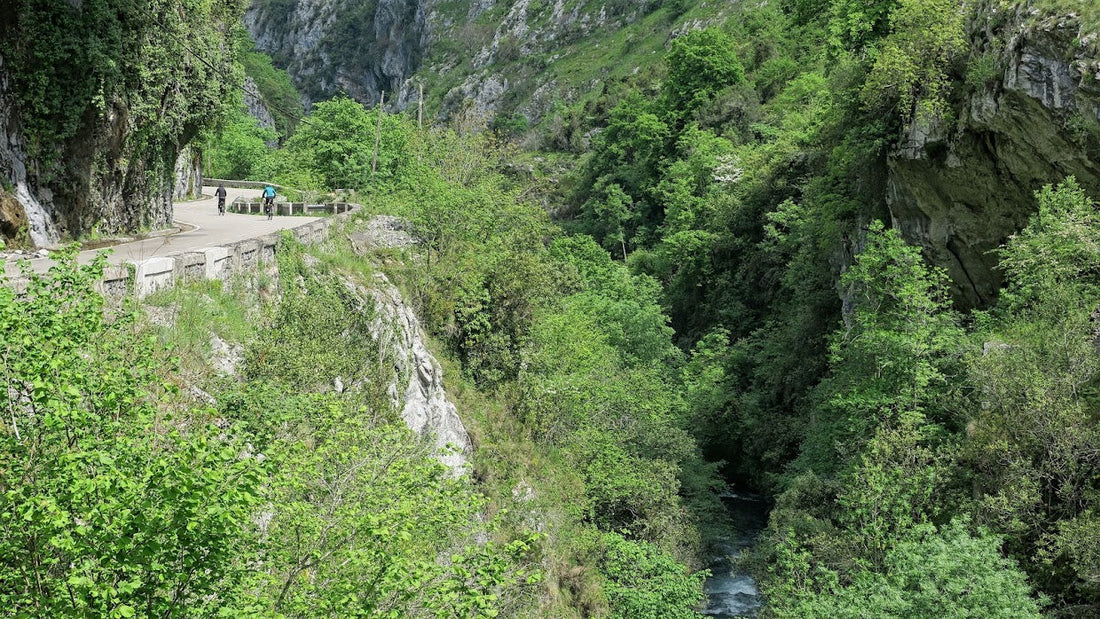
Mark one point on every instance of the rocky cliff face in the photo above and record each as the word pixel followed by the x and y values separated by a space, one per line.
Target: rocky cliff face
pixel 488 55
pixel 527 29
pixel 23 217
pixel 80 186
pixel 255 105
pixel 96 104
pixel 188 174
pixel 416 388
pixel 960 190
pixel 361 48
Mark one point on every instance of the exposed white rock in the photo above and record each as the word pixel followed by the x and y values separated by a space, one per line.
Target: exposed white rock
pixel 225 357
pixel 1050 80
pixel 188 174
pixel 417 385
pixel 13 168
pixel 382 231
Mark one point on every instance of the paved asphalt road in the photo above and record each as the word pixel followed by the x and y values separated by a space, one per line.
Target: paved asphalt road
pixel 204 228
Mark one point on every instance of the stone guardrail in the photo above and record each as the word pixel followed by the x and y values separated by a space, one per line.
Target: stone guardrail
pixel 144 277
pixel 292 208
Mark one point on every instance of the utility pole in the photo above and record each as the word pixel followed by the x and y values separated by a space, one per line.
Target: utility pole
pixel 377 135
pixel 420 108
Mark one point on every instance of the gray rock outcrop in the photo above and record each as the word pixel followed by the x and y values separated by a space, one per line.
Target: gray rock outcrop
pixel 255 105
pixel 349 46
pixel 188 174
pixel 22 209
pixel 104 178
pixel 482 47
pixel 416 386
pixel 416 389
pixel 960 190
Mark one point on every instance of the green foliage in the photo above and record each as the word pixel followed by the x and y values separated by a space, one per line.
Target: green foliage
pixel 108 505
pixel 583 349
pixel 240 149
pixel 856 536
pixel 118 500
pixel 166 64
pixel 484 275
pixel 361 514
pixel 645 583
pixel 1055 254
pixel 936 573
pixel 700 63
pixel 320 330
pixel 854 25
pixel 1037 381
pixel 511 125
pixel 274 87
pixel 909 72
pixel 900 343
pixel 337 146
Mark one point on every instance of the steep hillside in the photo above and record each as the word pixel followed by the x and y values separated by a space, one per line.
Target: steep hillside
pixel 498 56
pixel 334 46
pixel 1023 110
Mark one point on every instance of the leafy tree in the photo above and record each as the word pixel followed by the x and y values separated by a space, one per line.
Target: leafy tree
pixel 646 583
pixel 240 149
pixel 109 506
pixel 892 360
pixel 946 572
pixel 700 63
pixel 880 464
pixel 855 25
pixel 1037 377
pixel 909 72
pixel 337 144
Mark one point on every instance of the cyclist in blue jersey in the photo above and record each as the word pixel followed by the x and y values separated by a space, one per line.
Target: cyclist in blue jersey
pixel 269 201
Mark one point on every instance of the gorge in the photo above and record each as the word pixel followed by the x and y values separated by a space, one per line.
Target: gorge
pixel 841 256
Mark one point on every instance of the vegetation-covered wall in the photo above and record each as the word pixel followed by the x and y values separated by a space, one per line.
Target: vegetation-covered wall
pixel 101 97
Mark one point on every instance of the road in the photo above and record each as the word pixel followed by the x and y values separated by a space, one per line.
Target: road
pixel 203 228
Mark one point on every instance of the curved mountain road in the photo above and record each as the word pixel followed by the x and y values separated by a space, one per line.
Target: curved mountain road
pixel 203 227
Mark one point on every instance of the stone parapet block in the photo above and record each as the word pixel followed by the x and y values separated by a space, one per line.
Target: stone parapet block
pixel 144 277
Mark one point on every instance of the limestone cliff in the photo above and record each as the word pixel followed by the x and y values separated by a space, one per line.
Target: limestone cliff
pixel 416 387
pixel 96 106
pixel 960 189
pixel 24 217
pixel 188 174
pixel 360 48
pixel 81 186
pixel 485 56
pixel 254 103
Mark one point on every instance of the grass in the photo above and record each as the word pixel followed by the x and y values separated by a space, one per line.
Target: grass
pixel 529 486
pixel 185 318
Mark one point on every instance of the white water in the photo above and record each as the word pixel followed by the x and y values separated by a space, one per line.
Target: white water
pixel 731 591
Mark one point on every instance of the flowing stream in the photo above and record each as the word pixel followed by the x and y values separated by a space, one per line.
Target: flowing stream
pixel 731 591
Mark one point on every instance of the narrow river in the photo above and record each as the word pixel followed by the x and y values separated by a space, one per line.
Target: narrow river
pixel 731 591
